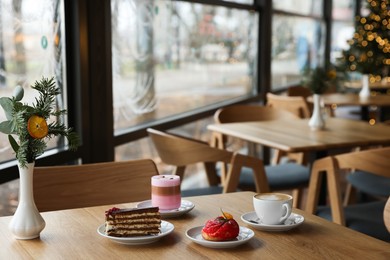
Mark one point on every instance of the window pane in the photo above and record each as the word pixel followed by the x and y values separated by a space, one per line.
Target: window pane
pixel 32 45
pixel 343 10
pixel 171 57
pixel 240 1
pixel 341 32
pixel 305 7
pixel 364 7
pixel 296 43
pixel 195 175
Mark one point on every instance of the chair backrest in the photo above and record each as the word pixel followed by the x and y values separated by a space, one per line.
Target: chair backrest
pixel 296 105
pixel 246 113
pixel 374 161
pixel 386 215
pixel 299 91
pixel 74 186
pixel 181 151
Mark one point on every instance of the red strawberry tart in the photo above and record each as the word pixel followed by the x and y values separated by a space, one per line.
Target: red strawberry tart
pixel 221 228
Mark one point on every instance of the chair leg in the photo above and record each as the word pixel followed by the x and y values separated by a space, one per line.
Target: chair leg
pixel 296 193
pixel 278 154
pixel 350 195
pixel 179 170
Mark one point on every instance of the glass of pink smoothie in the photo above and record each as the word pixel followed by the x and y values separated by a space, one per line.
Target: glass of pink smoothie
pixel 166 192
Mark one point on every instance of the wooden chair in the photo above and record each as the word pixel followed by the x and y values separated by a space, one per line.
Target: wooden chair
pixel 76 186
pixel 244 113
pixel 288 176
pixel 182 151
pixel 365 217
pixel 299 107
pixel 301 91
pixel 296 105
pixel 366 183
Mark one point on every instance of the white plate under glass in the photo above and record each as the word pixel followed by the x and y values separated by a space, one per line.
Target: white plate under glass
pixel 185 207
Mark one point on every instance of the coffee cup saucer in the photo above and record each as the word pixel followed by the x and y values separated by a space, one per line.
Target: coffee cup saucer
pixel 252 220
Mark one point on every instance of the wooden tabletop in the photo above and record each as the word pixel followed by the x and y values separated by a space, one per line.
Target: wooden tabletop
pixel 296 136
pixel 351 99
pixel 375 85
pixel 71 234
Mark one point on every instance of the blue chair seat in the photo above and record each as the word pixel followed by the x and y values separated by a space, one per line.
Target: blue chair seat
pixel 202 191
pixel 370 183
pixel 280 177
pixel 366 218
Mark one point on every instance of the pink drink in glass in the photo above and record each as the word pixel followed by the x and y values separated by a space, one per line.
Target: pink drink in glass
pixel 166 192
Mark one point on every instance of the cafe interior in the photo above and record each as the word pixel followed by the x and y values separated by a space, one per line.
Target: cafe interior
pixel 235 97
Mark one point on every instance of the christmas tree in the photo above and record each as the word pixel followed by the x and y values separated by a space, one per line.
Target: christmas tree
pixel 369 51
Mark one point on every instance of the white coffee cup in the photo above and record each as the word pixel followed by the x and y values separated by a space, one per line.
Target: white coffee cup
pixel 272 208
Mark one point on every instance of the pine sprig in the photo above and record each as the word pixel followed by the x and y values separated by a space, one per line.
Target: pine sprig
pixel 28 147
pixel 318 80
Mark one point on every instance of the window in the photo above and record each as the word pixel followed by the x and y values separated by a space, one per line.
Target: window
pixel 302 7
pixel 32 45
pixel 297 42
pixel 342 27
pixel 171 57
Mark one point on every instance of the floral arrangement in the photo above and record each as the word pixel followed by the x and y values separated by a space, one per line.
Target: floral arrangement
pixel 30 123
pixel 318 80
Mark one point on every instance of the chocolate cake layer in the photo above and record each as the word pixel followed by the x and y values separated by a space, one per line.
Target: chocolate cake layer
pixel 133 222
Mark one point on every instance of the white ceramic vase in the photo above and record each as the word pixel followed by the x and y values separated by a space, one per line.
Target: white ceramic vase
pixel 27 222
pixel 365 91
pixel 317 121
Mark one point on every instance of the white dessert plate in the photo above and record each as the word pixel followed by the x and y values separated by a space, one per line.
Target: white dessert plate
pixel 185 207
pixel 166 228
pixel 195 234
pixel 252 220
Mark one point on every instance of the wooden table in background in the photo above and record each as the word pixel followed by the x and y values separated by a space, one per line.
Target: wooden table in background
pixel 378 86
pixel 289 135
pixel 350 99
pixel 296 136
pixel 71 234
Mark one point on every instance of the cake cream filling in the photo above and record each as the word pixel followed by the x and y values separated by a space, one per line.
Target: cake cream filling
pixel 127 226
pixel 133 216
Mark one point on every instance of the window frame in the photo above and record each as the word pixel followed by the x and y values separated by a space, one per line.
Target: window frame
pixel 89 82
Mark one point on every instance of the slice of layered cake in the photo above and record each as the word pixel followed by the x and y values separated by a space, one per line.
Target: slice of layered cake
pixel 133 222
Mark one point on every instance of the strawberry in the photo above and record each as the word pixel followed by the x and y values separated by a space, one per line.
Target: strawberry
pixel 220 229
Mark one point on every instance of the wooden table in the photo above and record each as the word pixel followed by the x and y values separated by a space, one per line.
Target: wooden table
pixel 296 136
pixel 350 99
pixel 71 234
pixel 381 86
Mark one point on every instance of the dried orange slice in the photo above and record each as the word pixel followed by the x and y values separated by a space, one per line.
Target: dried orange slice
pixel 37 127
pixel 226 215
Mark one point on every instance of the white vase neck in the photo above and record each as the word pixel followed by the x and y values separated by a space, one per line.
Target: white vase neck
pixel 26 183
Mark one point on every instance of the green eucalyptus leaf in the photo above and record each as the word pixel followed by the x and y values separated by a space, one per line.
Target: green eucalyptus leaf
pixel 6 127
pixel 13 143
pixel 28 148
pixel 7 105
pixel 18 93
